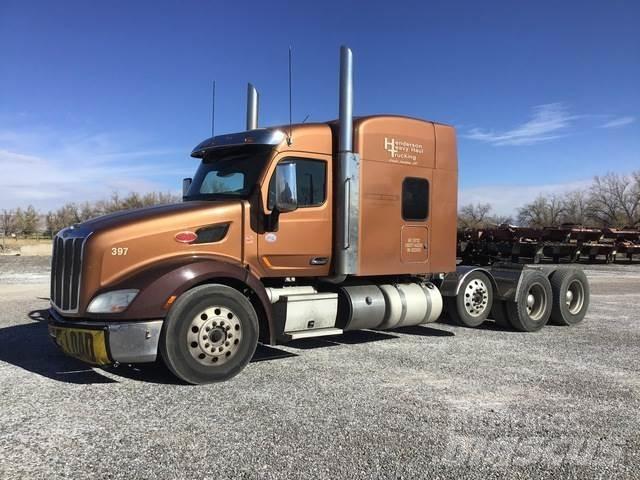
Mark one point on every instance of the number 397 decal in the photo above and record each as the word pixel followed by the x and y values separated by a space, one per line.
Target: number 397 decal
pixel 119 251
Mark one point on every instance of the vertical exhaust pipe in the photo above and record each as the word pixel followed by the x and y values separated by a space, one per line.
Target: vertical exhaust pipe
pixel 252 107
pixel 345 139
pixel 348 177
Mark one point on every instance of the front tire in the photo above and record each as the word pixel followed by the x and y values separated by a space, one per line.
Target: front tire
pixel 210 334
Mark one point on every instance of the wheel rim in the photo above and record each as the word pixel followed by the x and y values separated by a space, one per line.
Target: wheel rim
pixel 476 298
pixel 575 297
pixel 214 336
pixel 536 301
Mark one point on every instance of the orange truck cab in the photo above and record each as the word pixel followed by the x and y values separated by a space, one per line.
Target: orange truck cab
pixel 286 233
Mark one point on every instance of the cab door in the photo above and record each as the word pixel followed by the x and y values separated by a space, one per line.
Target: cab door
pixel 302 244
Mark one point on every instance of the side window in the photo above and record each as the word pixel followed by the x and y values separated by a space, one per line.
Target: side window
pixel 415 199
pixel 311 182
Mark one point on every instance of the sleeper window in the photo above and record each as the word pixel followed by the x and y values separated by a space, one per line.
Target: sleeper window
pixel 415 199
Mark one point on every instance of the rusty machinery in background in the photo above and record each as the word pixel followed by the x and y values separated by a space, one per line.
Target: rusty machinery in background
pixel 567 243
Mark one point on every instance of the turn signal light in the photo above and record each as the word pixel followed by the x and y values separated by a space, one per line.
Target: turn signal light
pixel 185 237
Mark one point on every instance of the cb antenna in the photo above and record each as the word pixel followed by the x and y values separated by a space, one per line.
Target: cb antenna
pixel 213 108
pixel 289 140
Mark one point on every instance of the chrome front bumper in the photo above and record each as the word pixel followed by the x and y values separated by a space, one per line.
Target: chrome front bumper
pixel 127 342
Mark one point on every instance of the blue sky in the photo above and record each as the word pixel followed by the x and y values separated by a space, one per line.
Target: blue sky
pixel 104 96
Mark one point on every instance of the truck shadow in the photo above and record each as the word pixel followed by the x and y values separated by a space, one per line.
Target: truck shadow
pixel 29 347
pixel 157 372
pixel 489 324
pixel 366 336
pixel 424 331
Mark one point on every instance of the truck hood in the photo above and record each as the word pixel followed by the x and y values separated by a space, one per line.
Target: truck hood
pixel 123 243
pixel 127 217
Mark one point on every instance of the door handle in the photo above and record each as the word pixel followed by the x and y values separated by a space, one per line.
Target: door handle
pixel 319 261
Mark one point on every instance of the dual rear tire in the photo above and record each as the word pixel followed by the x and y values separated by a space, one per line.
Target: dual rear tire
pixel 570 296
pixel 532 309
pixel 562 299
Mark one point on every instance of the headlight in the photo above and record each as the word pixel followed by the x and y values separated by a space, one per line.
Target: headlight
pixel 112 302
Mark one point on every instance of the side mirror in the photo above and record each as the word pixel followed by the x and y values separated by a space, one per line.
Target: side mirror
pixel 186 183
pixel 286 188
pixel 285 195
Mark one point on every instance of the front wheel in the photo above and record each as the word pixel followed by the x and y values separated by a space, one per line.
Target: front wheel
pixel 210 334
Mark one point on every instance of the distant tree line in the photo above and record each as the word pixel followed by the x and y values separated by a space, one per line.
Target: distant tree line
pixel 612 200
pixel 19 221
pixel 28 222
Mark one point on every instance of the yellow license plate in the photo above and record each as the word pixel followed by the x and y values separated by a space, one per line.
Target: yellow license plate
pixel 87 345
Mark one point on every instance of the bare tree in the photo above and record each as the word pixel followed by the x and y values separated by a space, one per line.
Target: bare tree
pixel 28 221
pixel 63 217
pixel 72 213
pixel 614 200
pixel 8 222
pixel 474 216
pixel 542 212
pixel 575 208
pixel 18 221
pixel 86 212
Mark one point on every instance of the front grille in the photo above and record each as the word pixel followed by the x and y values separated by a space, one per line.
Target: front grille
pixel 66 270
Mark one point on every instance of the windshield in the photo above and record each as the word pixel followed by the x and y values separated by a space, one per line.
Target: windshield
pixel 229 173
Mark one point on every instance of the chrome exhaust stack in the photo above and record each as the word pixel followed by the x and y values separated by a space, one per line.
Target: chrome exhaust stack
pixel 252 107
pixel 345 138
pixel 348 177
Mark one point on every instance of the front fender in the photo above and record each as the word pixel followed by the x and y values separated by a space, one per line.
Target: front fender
pixel 174 277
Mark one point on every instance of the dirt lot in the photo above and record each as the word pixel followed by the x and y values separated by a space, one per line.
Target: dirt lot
pixel 438 401
pixel 25 246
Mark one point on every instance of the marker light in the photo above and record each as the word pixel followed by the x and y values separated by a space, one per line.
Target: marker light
pixel 185 237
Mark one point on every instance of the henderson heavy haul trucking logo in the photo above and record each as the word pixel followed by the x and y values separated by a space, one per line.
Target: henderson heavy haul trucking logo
pixel 402 151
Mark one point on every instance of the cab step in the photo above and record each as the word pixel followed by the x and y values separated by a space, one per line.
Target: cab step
pixel 319 332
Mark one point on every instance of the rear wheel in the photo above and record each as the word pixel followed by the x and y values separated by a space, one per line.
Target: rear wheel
pixel 570 296
pixel 210 334
pixel 531 310
pixel 473 303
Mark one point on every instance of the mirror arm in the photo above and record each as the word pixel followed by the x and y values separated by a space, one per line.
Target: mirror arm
pixel 273 220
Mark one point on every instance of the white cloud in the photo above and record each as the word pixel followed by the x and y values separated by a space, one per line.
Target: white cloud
pixel 506 199
pixel 619 122
pixel 547 122
pixel 47 168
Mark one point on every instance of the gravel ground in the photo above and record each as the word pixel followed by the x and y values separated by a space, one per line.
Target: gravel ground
pixel 438 401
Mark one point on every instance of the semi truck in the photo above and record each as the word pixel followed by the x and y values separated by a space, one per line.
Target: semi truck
pixel 285 233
